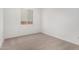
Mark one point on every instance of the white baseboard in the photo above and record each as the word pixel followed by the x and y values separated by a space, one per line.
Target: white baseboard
pixel 1 42
pixel 14 36
pixel 62 38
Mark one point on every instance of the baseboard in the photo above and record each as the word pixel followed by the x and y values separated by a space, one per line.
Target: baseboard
pixel 49 35
pixel 1 42
pixel 61 38
pixel 21 36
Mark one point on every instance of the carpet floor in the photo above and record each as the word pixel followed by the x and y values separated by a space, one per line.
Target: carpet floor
pixel 37 41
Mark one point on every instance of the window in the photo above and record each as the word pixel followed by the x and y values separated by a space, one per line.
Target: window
pixel 26 16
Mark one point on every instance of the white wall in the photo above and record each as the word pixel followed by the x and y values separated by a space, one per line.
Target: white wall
pixel 12 24
pixel 61 23
pixel 1 26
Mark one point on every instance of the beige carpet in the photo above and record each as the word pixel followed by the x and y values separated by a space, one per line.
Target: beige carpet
pixel 37 41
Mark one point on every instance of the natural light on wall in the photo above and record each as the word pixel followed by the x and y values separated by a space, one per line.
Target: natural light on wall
pixel 26 16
